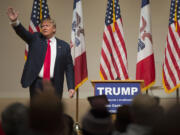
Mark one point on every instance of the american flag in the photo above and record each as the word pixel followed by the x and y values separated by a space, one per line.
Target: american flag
pixel 113 61
pixel 40 11
pixel 171 65
pixel 78 50
pixel 145 67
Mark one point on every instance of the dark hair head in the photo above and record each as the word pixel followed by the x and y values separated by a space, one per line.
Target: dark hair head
pixel 97 122
pixel 14 118
pixel 123 118
pixel 46 112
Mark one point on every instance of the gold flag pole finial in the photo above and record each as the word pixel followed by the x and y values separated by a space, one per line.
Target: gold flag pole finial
pixel 114 16
pixel 175 16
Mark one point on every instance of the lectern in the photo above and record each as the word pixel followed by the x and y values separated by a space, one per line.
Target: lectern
pixel 118 92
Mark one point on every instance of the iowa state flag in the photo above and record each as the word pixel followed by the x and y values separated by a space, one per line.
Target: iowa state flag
pixel 145 68
pixel 78 50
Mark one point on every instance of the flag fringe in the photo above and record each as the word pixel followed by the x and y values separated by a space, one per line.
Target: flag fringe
pixel 25 57
pixel 78 85
pixel 166 89
pixel 101 75
pixel 148 86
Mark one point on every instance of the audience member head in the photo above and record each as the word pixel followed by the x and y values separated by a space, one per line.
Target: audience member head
pixel 69 123
pixel 46 111
pixel 98 102
pixel 169 124
pixel 157 100
pixel 1 130
pixel 143 110
pixel 97 121
pixel 123 118
pixel 15 118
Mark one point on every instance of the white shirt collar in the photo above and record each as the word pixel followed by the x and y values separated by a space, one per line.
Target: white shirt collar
pixel 52 39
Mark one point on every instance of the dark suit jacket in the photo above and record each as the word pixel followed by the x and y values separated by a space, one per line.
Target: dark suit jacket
pixel 36 55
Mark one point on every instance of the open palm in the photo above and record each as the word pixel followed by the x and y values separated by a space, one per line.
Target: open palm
pixel 12 14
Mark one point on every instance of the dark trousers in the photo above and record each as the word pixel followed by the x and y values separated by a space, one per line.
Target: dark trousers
pixel 36 87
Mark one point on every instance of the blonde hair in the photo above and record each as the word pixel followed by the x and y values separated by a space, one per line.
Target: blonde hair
pixel 48 20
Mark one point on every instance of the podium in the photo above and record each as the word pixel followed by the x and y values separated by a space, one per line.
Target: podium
pixel 118 92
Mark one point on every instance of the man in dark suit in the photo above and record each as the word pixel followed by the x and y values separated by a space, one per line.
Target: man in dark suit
pixel 48 57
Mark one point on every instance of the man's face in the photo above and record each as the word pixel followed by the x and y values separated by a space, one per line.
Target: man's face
pixel 47 29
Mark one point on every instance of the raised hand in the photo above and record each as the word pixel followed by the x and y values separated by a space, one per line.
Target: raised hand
pixel 12 14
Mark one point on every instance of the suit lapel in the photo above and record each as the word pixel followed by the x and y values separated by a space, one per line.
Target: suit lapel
pixel 43 48
pixel 59 47
pixel 58 43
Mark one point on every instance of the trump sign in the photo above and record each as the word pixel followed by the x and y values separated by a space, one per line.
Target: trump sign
pixel 117 93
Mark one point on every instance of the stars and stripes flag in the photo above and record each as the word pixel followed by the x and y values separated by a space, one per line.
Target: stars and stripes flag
pixel 171 65
pixel 113 61
pixel 78 50
pixel 40 11
pixel 145 67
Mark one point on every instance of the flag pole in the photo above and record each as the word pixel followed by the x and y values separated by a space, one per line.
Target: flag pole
pixel 77 105
pixel 77 126
pixel 177 96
